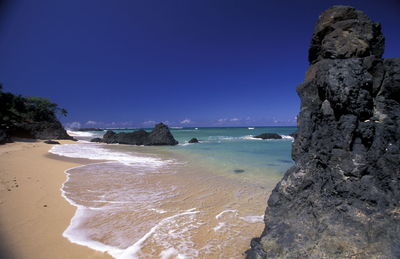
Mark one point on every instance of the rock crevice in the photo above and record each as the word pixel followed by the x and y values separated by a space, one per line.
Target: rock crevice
pixel 341 199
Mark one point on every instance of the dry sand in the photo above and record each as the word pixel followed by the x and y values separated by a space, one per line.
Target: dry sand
pixel 33 214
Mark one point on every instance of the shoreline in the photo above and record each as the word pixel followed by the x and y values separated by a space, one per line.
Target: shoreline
pixel 33 212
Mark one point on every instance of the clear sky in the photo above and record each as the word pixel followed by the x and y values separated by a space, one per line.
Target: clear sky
pixel 124 63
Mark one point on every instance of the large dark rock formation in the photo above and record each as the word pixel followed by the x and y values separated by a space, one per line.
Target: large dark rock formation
pixel 29 117
pixel 268 136
pixel 341 199
pixel 160 135
pixel 39 130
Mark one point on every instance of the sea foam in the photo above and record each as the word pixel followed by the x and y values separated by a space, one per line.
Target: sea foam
pixel 98 152
pixel 80 133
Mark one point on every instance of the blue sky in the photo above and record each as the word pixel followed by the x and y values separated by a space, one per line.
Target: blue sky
pixel 131 63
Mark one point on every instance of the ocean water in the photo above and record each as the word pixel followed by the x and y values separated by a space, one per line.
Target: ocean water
pixel 203 200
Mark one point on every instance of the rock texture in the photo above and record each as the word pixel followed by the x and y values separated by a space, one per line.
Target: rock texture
pixel 159 136
pixel 96 140
pixel 39 130
pixel 52 142
pixel 194 140
pixel 4 138
pixel 268 136
pixel 341 199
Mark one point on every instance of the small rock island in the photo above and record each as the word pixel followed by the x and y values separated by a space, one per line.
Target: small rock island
pixel 268 136
pixel 160 135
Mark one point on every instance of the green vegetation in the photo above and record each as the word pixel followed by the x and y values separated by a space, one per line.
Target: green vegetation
pixel 17 108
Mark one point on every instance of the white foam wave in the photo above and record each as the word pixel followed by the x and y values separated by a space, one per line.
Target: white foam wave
pixel 253 219
pixel 78 234
pixel 80 133
pixel 225 211
pixel 159 211
pixel 98 152
pixel 169 253
pixel 219 226
pixel 131 252
pixel 73 232
pixel 287 137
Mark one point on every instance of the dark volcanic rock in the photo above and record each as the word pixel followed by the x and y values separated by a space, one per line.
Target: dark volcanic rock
pixel 343 32
pixel 159 136
pixel 96 140
pixel 89 129
pixel 268 136
pixel 3 136
pixel 341 199
pixel 39 130
pixel 194 140
pixel 52 142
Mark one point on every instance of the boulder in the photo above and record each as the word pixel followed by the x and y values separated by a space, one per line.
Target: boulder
pixel 52 142
pixel 96 140
pixel 160 135
pixel 268 136
pixel 341 199
pixel 194 140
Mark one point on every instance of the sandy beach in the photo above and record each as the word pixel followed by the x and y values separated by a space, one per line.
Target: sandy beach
pixel 33 214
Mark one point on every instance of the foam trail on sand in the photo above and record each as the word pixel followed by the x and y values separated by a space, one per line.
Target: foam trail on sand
pixel 225 211
pixel 98 152
pixel 253 219
pixel 131 252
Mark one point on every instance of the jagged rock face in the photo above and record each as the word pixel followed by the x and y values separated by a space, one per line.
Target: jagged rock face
pixel 39 130
pixel 160 135
pixel 341 199
pixel 343 32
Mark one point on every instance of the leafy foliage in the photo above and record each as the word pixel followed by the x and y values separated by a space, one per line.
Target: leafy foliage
pixel 16 108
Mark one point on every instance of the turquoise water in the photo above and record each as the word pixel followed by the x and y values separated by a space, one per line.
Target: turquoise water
pixel 234 149
pixel 203 200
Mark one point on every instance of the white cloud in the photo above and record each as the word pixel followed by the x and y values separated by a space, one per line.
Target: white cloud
pixel 73 125
pixel 149 123
pixel 222 120
pixel 186 121
pixel 234 119
pixel 91 122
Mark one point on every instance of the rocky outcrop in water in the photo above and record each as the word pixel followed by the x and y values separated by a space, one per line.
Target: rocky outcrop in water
pixel 193 140
pixel 268 136
pixel 341 199
pixel 160 135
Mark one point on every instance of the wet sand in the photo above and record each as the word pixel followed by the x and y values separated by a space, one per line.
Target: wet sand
pixel 178 210
pixel 33 214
